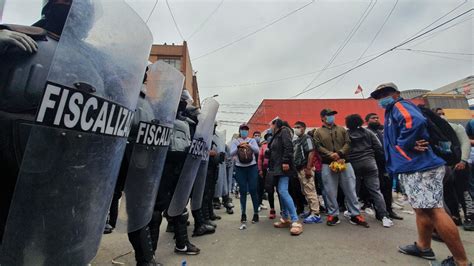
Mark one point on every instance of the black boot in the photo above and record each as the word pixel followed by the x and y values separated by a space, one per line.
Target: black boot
pixel 206 210
pixel 142 244
pixel 212 215
pixel 227 201
pixel 216 203
pixel 200 227
pixel 154 226
pixel 183 246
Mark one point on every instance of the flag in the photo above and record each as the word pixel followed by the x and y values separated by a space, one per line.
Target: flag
pixel 467 89
pixel 358 90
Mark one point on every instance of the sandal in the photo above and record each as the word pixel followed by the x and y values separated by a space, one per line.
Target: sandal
pixel 296 229
pixel 283 223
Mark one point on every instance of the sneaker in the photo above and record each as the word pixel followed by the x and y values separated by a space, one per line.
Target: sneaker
pixel 283 223
pixel 272 214
pixel 387 222
pixel 243 218
pixel 296 229
pixel 255 218
pixel 304 214
pixel 189 249
pixel 263 207
pixel 369 211
pixel 332 220
pixel 359 220
pixel 108 229
pixel 347 214
pixel 449 261
pixel 313 219
pixel 468 225
pixel 414 250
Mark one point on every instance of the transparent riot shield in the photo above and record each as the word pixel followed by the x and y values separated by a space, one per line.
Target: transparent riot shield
pixel 200 181
pixel 150 142
pixel 222 170
pixel 75 146
pixel 197 151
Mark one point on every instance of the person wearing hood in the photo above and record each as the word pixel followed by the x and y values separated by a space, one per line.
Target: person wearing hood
pixel 365 148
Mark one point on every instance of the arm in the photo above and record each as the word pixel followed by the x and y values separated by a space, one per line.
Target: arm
pixel 287 155
pixel 254 146
pixel 323 151
pixel 411 123
pixel 376 146
pixel 347 144
pixel 465 142
pixel 233 147
pixel 310 149
pixel 261 157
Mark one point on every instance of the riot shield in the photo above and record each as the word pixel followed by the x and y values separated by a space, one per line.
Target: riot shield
pixel 222 170
pixel 73 154
pixel 151 138
pixel 200 181
pixel 197 152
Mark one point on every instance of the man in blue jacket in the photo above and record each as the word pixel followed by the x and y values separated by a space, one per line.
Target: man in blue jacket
pixel 421 172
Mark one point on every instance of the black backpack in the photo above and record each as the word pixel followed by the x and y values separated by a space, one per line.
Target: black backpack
pixel 443 139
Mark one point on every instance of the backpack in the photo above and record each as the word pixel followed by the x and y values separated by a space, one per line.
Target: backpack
pixel 443 139
pixel 245 155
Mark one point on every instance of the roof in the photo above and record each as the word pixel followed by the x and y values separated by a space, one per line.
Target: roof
pixel 307 110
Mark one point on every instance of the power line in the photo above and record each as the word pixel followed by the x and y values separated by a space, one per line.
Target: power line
pixel 368 47
pixel 386 52
pixel 435 52
pixel 434 34
pixel 345 42
pixel 253 32
pixel 151 13
pixel 440 56
pixel 174 20
pixel 201 26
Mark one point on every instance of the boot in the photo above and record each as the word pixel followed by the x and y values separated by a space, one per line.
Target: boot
pixel 183 246
pixel 216 203
pixel 212 215
pixel 142 244
pixel 205 210
pixel 227 201
pixel 154 226
pixel 201 228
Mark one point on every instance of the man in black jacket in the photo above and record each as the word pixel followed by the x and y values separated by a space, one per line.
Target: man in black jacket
pixel 386 180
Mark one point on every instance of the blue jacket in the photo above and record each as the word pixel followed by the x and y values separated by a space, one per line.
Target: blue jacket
pixel 404 125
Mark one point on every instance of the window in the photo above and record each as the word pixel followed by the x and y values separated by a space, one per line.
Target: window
pixel 176 62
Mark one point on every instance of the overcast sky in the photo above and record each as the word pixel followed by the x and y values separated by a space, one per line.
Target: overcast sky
pixel 304 42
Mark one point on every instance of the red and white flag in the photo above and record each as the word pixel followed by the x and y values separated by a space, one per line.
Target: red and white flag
pixel 358 90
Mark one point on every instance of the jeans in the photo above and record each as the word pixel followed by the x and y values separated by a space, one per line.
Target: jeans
pixel 247 179
pixel 367 173
pixel 288 208
pixel 347 181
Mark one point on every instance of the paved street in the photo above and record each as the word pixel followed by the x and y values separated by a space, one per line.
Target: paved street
pixel 261 244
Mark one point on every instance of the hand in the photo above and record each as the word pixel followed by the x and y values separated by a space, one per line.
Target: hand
pixel 460 166
pixel 260 173
pixel 335 156
pixel 244 144
pixel 421 145
pixel 285 167
pixel 308 172
pixel 20 40
pixel 341 161
pixel 212 153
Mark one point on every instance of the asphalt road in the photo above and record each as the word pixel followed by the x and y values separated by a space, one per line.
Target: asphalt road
pixel 261 244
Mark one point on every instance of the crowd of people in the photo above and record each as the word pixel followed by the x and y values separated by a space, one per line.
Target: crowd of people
pixel 356 168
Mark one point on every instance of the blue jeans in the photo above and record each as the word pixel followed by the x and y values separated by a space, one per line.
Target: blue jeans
pixel 247 179
pixel 288 208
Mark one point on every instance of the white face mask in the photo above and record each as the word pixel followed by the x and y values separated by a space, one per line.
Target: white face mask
pixel 298 132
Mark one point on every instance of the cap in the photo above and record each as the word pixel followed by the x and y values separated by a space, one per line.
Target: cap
pixel 326 112
pixel 390 86
pixel 244 126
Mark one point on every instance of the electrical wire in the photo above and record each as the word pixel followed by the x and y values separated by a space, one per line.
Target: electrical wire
pixel 151 13
pixel 434 34
pixel 435 52
pixel 384 53
pixel 368 47
pixel 201 26
pixel 253 32
pixel 344 43
pixel 440 56
pixel 174 20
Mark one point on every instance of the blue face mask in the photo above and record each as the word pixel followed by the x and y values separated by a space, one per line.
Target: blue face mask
pixel 330 119
pixel 385 102
pixel 244 133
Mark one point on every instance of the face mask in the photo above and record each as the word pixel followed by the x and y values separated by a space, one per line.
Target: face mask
pixel 330 119
pixel 244 133
pixel 257 139
pixel 385 102
pixel 374 125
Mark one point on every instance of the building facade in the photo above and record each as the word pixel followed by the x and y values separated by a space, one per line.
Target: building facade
pixel 178 56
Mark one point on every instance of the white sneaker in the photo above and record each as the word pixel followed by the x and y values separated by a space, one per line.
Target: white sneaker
pixel 370 212
pixel 347 214
pixel 387 222
pixel 263 207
